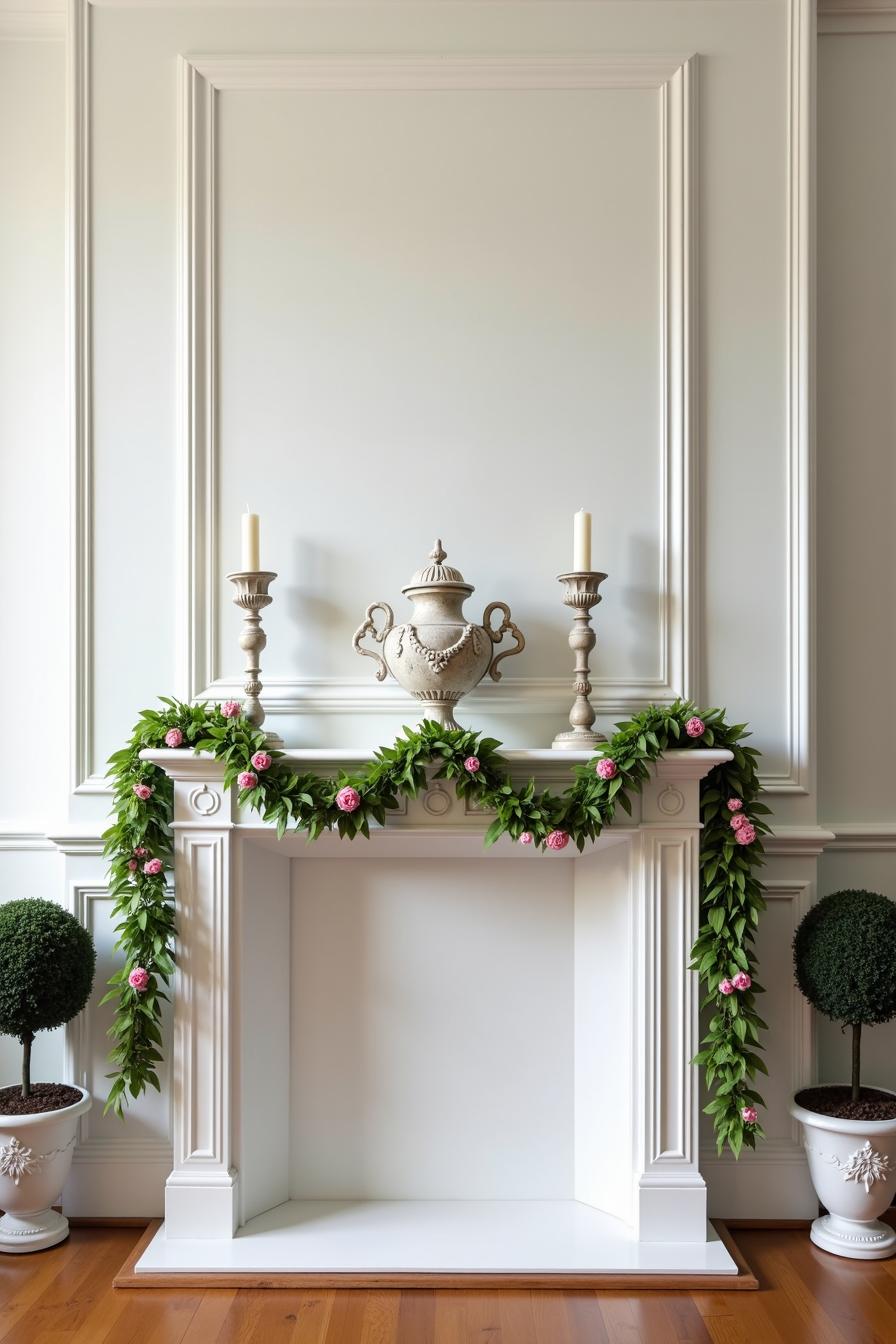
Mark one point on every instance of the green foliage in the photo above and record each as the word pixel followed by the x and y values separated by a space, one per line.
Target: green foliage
pixel 47 961
pixel 292 800
pixel 844 956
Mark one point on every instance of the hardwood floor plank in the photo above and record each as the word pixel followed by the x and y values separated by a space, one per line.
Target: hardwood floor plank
pixel 380 1324
pixel 671 1316
pixel 482 1318
pixel 517 1317
pixel 71 1294
pixel 347 1317
pixel 619 1319
pixel 552 1324
pixel 416 1317
pixel 448 1325
pixel 206 1324
pixel 842 1288
pixel 585 1318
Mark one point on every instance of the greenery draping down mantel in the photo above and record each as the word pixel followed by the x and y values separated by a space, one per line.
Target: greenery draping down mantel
pixel 139 847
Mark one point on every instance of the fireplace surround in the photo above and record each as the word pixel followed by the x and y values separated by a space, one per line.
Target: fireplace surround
pixel 410 1056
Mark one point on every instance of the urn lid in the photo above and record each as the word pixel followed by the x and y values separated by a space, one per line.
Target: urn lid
pixel 436 574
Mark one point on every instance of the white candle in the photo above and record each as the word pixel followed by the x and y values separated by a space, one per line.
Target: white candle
pixel 250 542
pixel 581 541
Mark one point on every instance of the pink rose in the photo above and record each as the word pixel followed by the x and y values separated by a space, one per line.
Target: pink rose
pixel 231 709
pixel 471 765
pixel 247 779
pixel 139 979
pixel 132 864
pixel 261 760
pixel 695 727
pixel 606 768
pixel 173 737
pixel 143 791
pixel 746 835
pixel 557 840
pixel 749 1115
pixel 742 980
pixel 739 819
pixel 140 852
pixel 526 838
pixel 152 867
pixel 726 986
pixel 735 804
pixel 348 799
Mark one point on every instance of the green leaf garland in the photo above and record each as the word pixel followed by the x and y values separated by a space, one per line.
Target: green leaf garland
pixel 302 801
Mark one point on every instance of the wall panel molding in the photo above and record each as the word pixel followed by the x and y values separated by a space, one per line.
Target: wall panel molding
pixel 845 18
pixel 202 79
pixel 79 397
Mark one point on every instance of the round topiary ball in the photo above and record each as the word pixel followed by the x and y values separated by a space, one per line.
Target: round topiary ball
pixel 844 956
pixel 47 961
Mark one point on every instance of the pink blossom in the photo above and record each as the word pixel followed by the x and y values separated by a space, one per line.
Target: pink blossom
pixel 735 804
pixel 140 852
pixel 695 727
pixel 557 840
pixel 348 799
pixel 742 980
pixel 139 979
pixel 746 835
pixel 173 737
pixel 739 819
pixel 471 765
pixel 133 865
pixel 231 709
pixel 749 1115
pixel 726 986
pixel 152 867
pixel 143 791
pixel 526 838
pixel 247 779
pixel 261 760
pixel 606 768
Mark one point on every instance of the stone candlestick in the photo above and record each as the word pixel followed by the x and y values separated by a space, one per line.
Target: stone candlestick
pixel 252 596
pixel 581 594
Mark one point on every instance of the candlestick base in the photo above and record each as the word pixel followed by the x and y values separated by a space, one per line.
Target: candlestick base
pixel 576 740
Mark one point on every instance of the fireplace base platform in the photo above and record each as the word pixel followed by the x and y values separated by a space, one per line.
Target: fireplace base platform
pixel 448 1242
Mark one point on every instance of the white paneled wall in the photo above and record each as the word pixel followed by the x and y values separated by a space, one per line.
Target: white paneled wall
pixel 461 296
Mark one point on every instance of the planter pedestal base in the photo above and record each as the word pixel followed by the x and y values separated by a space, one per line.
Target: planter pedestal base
pixel 858 1241
pixel 32 1231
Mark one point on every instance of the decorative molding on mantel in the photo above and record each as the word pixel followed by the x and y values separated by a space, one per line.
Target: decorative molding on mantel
pixel 202 78
pixel 16 840
pixel 846 18
pixel 30 25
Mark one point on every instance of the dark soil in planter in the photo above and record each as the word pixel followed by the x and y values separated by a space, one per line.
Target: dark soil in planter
pixel 838 1103
pixel 44 1097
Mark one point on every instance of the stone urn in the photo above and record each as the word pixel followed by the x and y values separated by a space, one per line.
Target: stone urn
pixel 438 655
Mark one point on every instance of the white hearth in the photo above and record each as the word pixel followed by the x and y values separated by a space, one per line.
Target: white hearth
pixel 412 1055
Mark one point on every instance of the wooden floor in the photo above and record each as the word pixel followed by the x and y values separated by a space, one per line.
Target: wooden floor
pixel 65 1296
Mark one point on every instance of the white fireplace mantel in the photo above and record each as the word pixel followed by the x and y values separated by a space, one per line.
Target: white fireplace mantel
pixel 630 1197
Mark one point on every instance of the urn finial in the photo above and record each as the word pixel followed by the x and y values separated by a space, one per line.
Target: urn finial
pixel 437 554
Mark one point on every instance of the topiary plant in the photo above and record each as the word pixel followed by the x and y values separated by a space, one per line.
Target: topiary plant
pixel 47 961
pixel 844 955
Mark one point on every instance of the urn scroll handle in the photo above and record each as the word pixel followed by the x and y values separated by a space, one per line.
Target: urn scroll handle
pixel 368 627
pixel 507 626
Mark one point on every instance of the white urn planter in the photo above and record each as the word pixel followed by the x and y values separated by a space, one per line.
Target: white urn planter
pixel 35 1157
pixel 853 1169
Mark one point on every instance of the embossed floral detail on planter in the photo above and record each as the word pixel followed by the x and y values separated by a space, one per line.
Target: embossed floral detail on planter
pixel 866 1165
pixel 863 1165
pixel 17 1161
